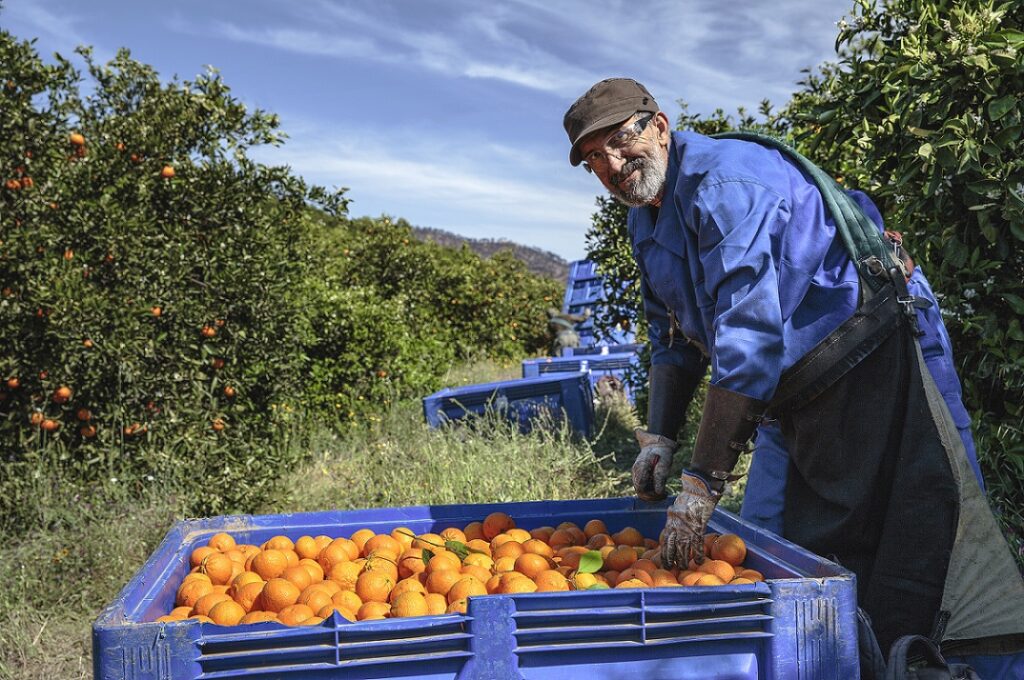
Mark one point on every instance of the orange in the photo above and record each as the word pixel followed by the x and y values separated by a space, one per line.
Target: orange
pixel 221 541
pixel 531 564
pixel 167 172
pixel 218 567
pixel 201 619
pixel 360 537
pixel 411 562
pixel 347 599
pixel 594 527
pixel 740 581
pixel 269 564
pixel 77 138
pixel 403 535
pixel 709 540
pixel 430 541
pixel 709 580
pixel 199 554
pixel 496 523
pixel 382 541
pixel 753 574
pixel 291 557
pixel 539 547
pixel 406 585
pixel 258 617
pixel 690 578
pixel 328 609
pixel 331 555
pixel 383 564
pixel 313 621
pixel 631 583
pixel 629 536
pixel 453 534
pixel 474 531
pixel 235 555
pixel 492 583
pixel 313 568
pixel 195 576
pixel 306 547
pixel 503 564
pixel 633 574
pixel 190 592
pixel 517 585
pixel 598 541
pixel 294 614
pixel 550 580
pixel 248 595
pixel 180 612
pixel 479 573
pixel 205 603
pixel 299 576
pixel 479 546
pixel 609 576
pixel 729 548
pixel 583 581
pixel 345 574
pixel 519 535
pixel 561 538
pixel 662 578
pixel 723 570
pixel 410 603
pixel 315 598
pixel 542 533
pixel 227 613
pixel 373 610
pixel 508 549
pixel 444 560
pixel 620 558
pixel 277 594
pixel 441 581
pixel 478 560
pixel 466 587
pixel 322 542
pixel 374 586
pixel 436 603
pixel 645 564
pixel 279 543
pixel 331 586
pixel 500 540
pixel 458 607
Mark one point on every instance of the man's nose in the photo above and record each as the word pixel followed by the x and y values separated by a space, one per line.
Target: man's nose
pixel 615 163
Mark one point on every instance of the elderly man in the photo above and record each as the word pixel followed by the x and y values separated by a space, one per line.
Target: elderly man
pixel 744 270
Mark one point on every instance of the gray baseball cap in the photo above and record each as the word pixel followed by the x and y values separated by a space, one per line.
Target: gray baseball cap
pixel 610 101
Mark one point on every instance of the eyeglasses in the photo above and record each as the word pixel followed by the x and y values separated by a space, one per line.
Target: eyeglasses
pixel 621 139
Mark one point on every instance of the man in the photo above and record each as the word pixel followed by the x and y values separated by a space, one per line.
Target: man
pixel 743 271
pixel 563 326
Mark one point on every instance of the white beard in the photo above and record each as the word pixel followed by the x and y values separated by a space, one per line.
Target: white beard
pixel 649 185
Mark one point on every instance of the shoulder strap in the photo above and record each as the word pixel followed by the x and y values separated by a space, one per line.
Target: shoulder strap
pixel 861 237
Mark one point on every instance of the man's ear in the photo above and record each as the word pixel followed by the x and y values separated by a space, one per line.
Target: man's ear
pixel 664 127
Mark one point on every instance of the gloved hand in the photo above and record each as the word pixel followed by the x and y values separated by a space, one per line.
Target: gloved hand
pixel 683 537
pixel 650 470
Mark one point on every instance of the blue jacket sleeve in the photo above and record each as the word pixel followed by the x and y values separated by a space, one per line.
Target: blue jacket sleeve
pixel 664 349
pixel 735 221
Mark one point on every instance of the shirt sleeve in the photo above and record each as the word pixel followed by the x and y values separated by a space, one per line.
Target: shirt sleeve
pixel 664 348
pixel 735 222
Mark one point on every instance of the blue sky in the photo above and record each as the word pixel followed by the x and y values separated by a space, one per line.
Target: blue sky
pixel 449 114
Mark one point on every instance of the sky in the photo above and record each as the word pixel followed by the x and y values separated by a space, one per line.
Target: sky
pixel 449 113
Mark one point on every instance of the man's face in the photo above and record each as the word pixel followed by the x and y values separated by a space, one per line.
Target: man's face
pixel 630 159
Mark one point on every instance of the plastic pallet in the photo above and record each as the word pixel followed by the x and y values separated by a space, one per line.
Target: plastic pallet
pixel 554 396
pixel 799 624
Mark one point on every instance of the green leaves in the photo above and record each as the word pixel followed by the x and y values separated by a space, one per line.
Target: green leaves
pixel 590 562
pixel 1000 107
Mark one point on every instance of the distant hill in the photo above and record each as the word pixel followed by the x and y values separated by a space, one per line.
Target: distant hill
pixel 537 261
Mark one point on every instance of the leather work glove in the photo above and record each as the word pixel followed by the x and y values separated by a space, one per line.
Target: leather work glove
pixel 650 470
pixel 683 537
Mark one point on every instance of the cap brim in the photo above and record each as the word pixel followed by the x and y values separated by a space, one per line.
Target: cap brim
pixel 575 158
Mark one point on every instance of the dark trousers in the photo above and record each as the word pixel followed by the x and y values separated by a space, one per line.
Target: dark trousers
pixel 869 482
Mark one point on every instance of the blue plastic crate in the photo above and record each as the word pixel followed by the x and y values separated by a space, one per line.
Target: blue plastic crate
pixel 800 623
pixel 556 396
pixel 596 365
pixel 623 348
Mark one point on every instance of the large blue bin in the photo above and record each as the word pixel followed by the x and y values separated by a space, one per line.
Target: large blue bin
pixel 624 348
pixel 557 396
pixel 799 624
pixel 597 365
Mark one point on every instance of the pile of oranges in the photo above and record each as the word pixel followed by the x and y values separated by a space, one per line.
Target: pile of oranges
pixel 399 574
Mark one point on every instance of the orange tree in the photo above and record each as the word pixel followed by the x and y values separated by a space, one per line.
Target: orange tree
pixel 390 314
pixel 147 277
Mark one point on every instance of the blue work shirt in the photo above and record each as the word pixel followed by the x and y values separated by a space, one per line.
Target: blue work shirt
pixel 743 255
